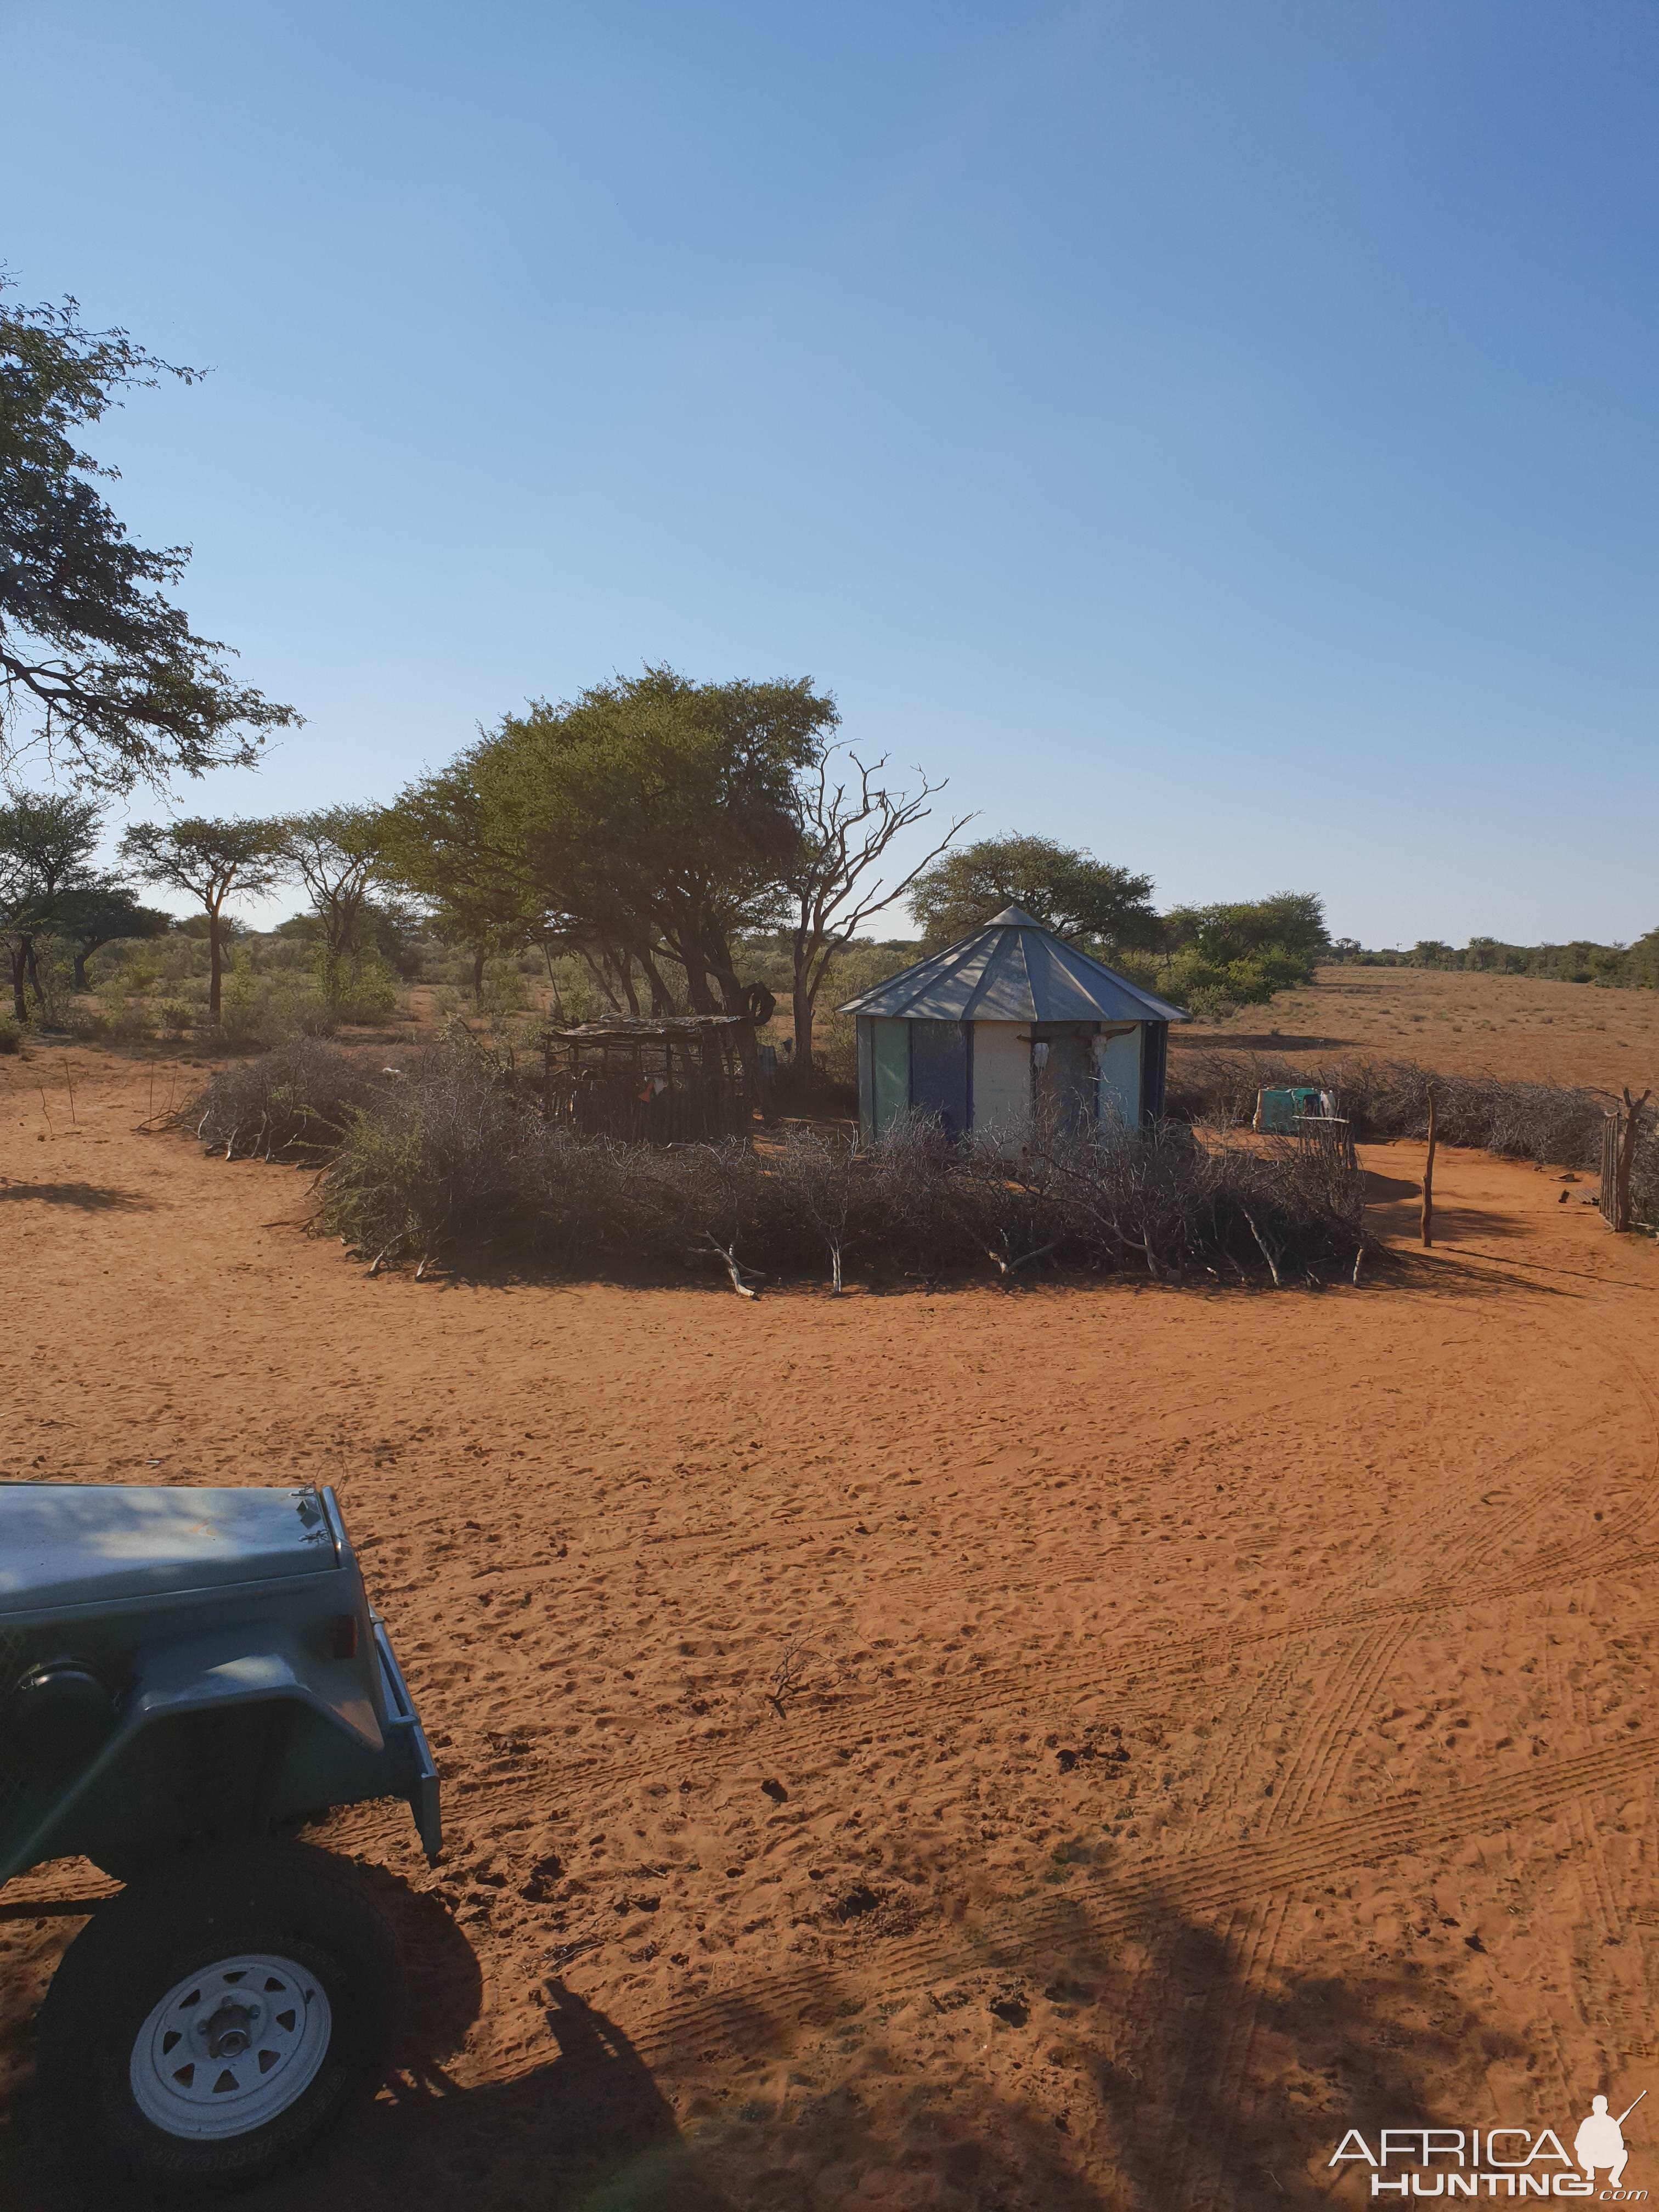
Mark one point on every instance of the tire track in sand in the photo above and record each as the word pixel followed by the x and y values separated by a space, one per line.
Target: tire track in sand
pixel 1187 1886
pixel 1140 1677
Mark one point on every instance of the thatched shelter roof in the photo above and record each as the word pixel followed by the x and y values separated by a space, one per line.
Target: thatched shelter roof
pixel 650 1028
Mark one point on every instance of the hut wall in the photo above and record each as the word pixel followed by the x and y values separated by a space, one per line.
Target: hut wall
pixel 1002 1078
pixel 941 1079
pixel 889 1069
pixel 1119 1060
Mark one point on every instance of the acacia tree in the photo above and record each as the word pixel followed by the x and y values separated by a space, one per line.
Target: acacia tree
pixel 661 814
pixel 1067 889
pixel 102 911
pixel 208 859
pixel 46 840
pixel 449 840
pixel 844 829
pixel 336 852
pixel 95 662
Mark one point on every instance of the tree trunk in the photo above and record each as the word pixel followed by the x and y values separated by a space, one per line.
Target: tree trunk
pixel 748 1050
pixel 33 967
pixel 216 965
pixel 662 999
pixel 553 982
pixel 801 999
pixel 82 957
pixel 618 964
pixel 477 975
pixel 602 980
pixel 19 1005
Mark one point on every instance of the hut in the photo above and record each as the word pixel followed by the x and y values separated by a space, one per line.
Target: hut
pixel 1006 1023
pixel 650 1078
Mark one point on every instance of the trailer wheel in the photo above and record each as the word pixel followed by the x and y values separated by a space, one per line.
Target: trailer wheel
pixel 212 2021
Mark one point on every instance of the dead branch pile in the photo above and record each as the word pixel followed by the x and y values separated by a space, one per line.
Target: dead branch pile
pixel 453 1156
pixel 295 1103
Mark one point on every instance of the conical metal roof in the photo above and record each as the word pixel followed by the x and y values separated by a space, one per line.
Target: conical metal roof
pixel 1014 970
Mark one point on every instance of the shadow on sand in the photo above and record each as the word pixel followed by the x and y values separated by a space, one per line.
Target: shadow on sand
pixel 85 1197
pixel 1099 2057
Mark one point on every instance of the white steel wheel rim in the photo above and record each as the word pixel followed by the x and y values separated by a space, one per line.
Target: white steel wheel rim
pixel 230 2047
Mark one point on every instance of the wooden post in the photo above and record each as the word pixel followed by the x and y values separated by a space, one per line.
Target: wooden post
pixel 1428 1176
pixel 1627 1137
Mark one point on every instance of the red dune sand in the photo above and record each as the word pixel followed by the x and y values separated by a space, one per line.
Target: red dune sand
pixel 1218 1718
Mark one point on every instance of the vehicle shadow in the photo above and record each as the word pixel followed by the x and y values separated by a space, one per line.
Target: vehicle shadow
pixel 589 2128
pixel 1133 2062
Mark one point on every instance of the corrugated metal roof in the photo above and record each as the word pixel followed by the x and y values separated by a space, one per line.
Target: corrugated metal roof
pixel 1012 970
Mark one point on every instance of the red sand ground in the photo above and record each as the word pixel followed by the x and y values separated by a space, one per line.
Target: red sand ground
pixel 1228 1717
pixel 1465 1024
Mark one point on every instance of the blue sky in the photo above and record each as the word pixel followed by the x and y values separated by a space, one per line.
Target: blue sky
pixel 1219 433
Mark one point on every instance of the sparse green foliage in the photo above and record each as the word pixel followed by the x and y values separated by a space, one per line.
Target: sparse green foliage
pixel 95 662
pixel 338 853
pixel 47 843
pixel 1067 889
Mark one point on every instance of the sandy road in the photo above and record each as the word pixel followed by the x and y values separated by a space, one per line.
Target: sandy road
pixel 1224 1716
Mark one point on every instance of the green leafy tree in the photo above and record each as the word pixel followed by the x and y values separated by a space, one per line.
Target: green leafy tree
pixel 208 861
pixel 1290 922
pixel 95 660
pixel 1067 889
pixel 47 843
pixel 450 842
pixel 99 912
pixel 1239 953
pixel 662 814
pixel 338 852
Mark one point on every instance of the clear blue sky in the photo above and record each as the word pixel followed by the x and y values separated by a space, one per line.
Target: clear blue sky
pixel 1218 432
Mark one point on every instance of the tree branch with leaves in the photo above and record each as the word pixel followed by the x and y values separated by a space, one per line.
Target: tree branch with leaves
pixel 97 665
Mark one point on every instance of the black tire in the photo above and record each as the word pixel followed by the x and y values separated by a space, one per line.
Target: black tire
pixel 282 1901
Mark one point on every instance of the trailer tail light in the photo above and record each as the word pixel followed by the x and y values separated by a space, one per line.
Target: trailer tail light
pixel 342 1636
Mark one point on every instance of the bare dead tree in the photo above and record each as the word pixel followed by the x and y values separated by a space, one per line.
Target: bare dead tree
pixel 847 823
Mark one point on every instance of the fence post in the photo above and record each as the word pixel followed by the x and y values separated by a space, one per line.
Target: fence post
pixel 1607 1199
pixel 1428 1176
pixel 1628 1135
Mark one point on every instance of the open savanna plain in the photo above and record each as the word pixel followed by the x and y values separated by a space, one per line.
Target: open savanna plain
pixel 1461 1025
pixel 1060 1749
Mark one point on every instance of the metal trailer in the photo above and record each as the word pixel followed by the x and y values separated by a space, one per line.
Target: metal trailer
pixel 187 1678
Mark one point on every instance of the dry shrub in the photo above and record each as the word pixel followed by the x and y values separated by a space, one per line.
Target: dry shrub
pixel 296 1102
pixel 1548 1122
pixel 1552 1124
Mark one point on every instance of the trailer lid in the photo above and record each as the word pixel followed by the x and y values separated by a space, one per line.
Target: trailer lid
pixel 81 1543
